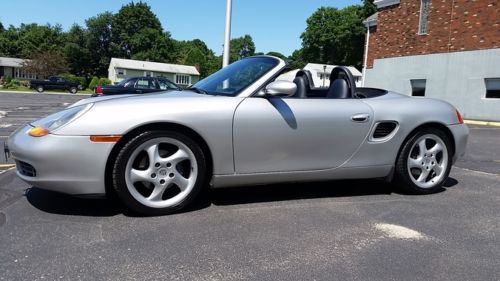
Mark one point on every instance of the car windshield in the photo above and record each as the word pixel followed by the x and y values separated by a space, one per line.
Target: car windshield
pixel 234 78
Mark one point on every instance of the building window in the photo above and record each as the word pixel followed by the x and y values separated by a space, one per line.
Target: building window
pixel 424 17
pixel 182 79
pixel 418 87
pixel 492 88
pixel 21 74
pixel 121 71
pixel 148 73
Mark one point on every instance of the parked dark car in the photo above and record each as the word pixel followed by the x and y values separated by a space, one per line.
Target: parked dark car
pixel 137 85
pixel 54 83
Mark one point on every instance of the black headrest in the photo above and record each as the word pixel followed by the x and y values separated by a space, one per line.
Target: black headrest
pixel 338 90
pixel 342 72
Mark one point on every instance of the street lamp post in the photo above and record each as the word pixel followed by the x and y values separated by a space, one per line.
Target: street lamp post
pixel 227 35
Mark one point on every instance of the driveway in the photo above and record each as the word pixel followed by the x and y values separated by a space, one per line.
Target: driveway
pixel 338 230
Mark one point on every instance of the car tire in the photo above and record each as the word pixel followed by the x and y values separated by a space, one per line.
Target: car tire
pixel 73 90
pixel 163 186
pixel 39 89
pixel 424 162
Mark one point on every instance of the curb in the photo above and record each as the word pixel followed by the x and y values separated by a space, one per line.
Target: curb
pixel 482 123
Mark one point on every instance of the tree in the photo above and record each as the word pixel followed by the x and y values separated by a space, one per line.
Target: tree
pixel 241 47
pixel 335 36
pixel 75 50
pixel 98 43
pixel 130 20
pixel 196 52
pixel 152 45
pixel 368 8
pixel 46 63
pixel 297 60
pixel 2 29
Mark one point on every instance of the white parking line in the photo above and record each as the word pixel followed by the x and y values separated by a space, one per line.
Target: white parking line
pixel 399 232
pixel 479 172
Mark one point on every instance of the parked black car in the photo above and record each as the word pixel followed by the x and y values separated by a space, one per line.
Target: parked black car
pixel 137 85
pixel 54 83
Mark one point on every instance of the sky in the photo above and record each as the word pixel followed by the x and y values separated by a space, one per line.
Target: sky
pixel 275 25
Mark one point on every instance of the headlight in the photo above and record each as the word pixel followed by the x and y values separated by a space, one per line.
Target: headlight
pixel 52 122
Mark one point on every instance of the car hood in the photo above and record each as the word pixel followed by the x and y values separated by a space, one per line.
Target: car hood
pixel 136 98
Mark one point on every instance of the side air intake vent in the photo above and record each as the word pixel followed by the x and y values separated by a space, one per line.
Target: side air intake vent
pixel 384 129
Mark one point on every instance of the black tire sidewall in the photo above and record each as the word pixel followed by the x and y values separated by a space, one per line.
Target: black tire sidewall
pixel 119 170
pixel 73 90
pixel 40 89
pixel 402 178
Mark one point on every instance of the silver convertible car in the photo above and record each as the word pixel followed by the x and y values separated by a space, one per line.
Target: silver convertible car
pixel 239 126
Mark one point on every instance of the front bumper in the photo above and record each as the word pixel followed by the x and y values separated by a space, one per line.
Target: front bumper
pixel 68 164
pixel 460 134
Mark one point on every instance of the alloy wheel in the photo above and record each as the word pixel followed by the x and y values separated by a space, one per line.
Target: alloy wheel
pixel 427 161
pixel 161 172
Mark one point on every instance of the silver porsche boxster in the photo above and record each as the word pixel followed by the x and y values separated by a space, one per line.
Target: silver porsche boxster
pixel 239 126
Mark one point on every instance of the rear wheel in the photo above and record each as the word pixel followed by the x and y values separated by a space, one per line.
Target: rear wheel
pixel 424 162
pixel 39 89
pixel 73 90
pixel 159 172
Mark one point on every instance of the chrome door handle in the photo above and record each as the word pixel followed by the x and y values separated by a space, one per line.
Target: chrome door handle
pixel 360 117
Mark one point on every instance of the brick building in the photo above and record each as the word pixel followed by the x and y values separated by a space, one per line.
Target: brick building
pixel 446 49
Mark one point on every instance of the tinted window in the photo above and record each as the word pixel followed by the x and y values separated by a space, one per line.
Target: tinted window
pixel 235 77
pixel 164 84
pixel 143 83
pixel 492 88
pixel 418 87
pixel 128 83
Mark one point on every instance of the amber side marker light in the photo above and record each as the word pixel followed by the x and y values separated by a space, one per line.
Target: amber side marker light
pixel 38 132
pixel 105 138
pixel 460 119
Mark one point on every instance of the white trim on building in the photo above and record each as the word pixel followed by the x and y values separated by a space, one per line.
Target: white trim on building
pixel 385 3
pixel 148 68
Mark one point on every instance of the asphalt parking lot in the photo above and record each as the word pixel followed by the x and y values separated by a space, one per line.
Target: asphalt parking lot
pixel 340 230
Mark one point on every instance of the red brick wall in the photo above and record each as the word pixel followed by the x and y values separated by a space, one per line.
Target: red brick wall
pixel 453 25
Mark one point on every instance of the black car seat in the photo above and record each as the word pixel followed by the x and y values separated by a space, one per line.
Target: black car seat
pixel 303 83
pixel 341 84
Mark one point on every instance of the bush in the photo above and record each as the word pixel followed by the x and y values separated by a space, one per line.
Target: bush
pixel 104 82
pixel 75 79
pixel 13 84
pixel 93 83
pixel 8 79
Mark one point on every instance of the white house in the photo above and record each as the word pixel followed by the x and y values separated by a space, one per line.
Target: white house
pixel 182 75
pixel 320 74
pixel 13 67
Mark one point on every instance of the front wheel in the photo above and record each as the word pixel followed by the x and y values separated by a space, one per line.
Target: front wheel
pixel 424 162
pixel 39 89
pixel 73 90
pixel 159 172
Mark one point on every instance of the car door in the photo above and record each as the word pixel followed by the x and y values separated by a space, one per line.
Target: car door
pixel 52 83
pixel 287 134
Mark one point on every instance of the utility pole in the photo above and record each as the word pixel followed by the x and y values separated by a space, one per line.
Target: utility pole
pixel 227 35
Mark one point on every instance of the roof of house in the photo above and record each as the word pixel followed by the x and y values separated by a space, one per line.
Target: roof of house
pixel 371 20
pixel 153 66
pixel 11 62
pixel 320 68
